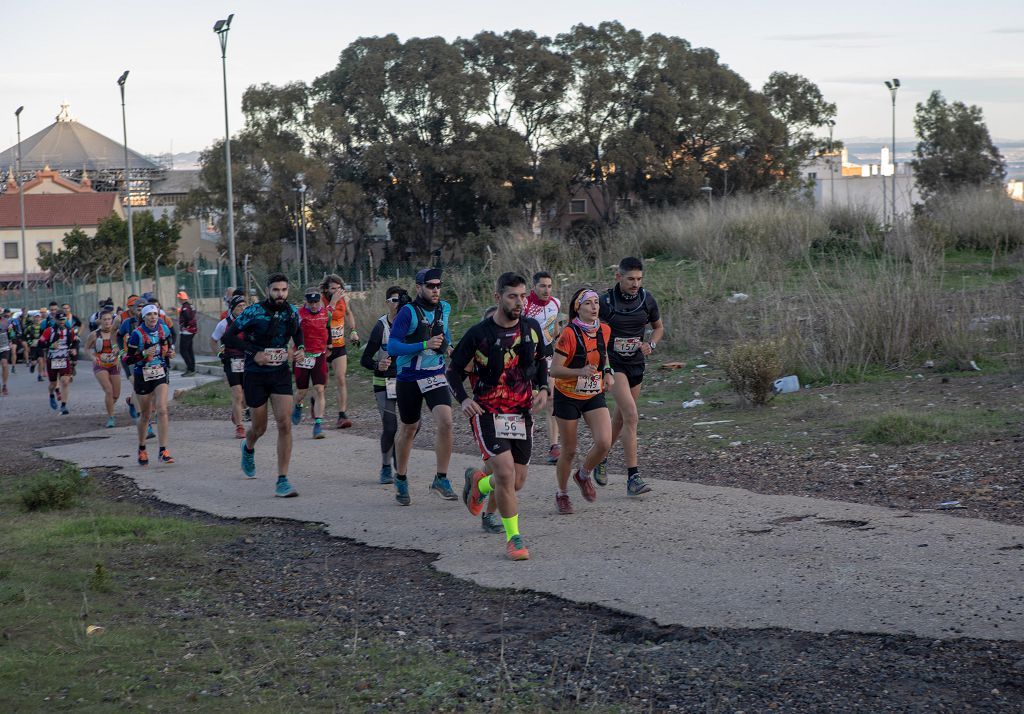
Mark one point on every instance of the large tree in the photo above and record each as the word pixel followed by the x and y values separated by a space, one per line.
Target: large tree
pixel 955 150
pixel 106 250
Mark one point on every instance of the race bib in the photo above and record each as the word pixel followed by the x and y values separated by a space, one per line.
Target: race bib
pixel 307 362
pixel 276 355
pixel 238 364
pixel 510 426
pixel 626 345
pixel 107 357
pixel 151 372
pixel 391 387
pixel 59 363
pixel 429 384
pixel 589 385
pixel 337 332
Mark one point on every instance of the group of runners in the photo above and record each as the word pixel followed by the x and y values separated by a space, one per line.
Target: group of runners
pixel 522 359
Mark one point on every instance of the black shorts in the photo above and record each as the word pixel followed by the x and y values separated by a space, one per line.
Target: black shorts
pixel 634 372
pixel 572 409
pixel 490 445
pixel 5 356
pixel 336 352
pixel 258 386
pixel 142 387
pixel 35 352
pixel 410 400
pixel 234 378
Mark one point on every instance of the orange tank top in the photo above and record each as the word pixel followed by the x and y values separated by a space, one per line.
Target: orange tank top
pixel 337 323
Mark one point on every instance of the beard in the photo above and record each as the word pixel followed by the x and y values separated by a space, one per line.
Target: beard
pixel 513 314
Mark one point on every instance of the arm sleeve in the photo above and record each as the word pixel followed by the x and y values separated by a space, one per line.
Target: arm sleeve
pixel 447 312
pixel 73 342
pixel 134 349
pixel 44 338
pixel 540 379
pixel 366 360
pixel 399 329
pixel 456 373
pixel 234 337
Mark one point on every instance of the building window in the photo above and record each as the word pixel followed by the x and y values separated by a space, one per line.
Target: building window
pixel 624 204
pixel 44 247
pixel 578 205
pixel 812 175
pixel 10 251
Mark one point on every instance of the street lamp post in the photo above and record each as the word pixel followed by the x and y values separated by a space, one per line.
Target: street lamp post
pixel 893 86
pixel 831 165
pixel 302 228
pixel 21 210
pixel 221 27
pixel 128 186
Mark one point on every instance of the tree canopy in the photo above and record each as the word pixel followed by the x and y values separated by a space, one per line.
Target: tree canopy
pixel 108 249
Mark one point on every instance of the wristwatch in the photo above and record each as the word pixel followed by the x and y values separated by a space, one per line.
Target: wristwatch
pixel 652 344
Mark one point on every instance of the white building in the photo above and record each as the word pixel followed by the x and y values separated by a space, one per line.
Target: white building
pixel 834 181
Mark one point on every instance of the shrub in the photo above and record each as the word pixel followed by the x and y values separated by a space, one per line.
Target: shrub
pixel 973 219
pixel 752 368
pixel 52 491
pixel 899 428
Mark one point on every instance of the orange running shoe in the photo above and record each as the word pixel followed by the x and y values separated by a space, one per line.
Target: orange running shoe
pixel 516 550
pixel 165 457
pixel 143 458
pixel 471 495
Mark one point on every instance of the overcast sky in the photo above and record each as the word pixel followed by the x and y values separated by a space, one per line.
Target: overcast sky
pixel 74 51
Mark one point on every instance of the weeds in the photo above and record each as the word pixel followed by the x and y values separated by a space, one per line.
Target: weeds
pixel 751 368
pixel 52 491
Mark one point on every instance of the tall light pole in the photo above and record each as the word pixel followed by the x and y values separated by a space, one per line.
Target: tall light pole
pixel 128 187
pixel 893 85
pixel 21 209
pixel 302 227
pixel 221 27
pixel 831 165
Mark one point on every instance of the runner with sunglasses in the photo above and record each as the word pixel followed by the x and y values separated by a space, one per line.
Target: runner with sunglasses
pixel 60 341
pixel 150 350
pixel 315 320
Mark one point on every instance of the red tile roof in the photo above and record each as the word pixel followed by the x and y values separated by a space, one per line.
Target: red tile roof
pixel 56 210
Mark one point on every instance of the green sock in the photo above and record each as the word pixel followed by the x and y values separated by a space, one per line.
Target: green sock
pixel 485 486
pixel 511 526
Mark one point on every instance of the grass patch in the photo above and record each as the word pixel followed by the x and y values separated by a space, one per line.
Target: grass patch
pixel 211 394
pixel 903 428
pixel 52 490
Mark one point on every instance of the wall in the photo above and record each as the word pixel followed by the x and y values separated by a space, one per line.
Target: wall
pixel 33 236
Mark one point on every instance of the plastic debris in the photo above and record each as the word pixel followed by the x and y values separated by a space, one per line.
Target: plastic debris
pixel 95 630
pixel 711 423
pixel 693 403
pixel 950 505
pixel 737 297
pixel 786 385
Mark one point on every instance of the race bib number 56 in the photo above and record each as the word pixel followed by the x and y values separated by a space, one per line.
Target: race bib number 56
pixel 509 426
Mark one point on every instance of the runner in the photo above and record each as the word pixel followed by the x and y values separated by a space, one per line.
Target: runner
pixel 188 328
pixel 508 364
pixel 6 347
pixel 316 333
pixel 629 309
pixel 103 344
pixel 127 326
pixel 233 361
pixel 376 359
pixel 50 319
pixel 15 334
pixel 61 344
pixel 36 362
pixel 418 344
pixel 73 320
pixel 543 307
pixel 262 332
pixel 150 350
pixel 340 316
pixel 489 519
pixel 582 376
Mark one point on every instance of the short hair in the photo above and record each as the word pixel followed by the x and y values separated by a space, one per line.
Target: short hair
pixel 54 303
pixel 540 275
pixel 276 278
pixel 332 278
pixel 630 263
pixel 510 280
pixel 490 311
pixel 395 290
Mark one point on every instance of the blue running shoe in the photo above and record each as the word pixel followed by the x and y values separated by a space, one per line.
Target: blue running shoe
pixel 297 414
pixel 248 462
pixel 53 402
pixel 64 411
pixel 110 422
pixel 283 489
pixel 132 411
pixel 150 434
pixel 600 473
pixel 402 492
pixel 443 488
pixel 385 474
pixel 318 431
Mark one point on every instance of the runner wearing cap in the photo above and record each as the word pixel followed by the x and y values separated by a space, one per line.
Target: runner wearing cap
pixel 233 361
pixel 150 349
pixel 188 328
pixel 263 332
pixel 60 341
pixel 419 342
pixel 332 290
pixel 315 319
pixel 102 342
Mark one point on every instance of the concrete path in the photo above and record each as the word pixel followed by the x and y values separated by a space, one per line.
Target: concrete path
pixel 687 554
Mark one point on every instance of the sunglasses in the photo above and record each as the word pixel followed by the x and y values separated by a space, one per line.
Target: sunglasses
pixel 394 298
pixel 433 286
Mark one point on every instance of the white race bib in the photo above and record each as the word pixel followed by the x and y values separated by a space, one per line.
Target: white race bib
pixel 107 357
pixel 276 355
pixel 307 362
pixel 589 385
pixel 151 372
pixel 391 387
pixel 237 364
pixel 429 384
pixel 626 345
pixel 337 332
pixel 510 426
pixel 59 363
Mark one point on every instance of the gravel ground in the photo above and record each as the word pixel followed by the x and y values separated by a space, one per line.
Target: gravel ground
pixel 572 655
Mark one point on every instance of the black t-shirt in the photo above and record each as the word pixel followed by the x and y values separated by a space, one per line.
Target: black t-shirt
pixel 628 319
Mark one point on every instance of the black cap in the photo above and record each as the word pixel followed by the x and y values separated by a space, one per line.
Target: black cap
pixel 428 274
pixel 235 301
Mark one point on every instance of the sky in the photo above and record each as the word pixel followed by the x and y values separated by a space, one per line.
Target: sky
pixel 74 51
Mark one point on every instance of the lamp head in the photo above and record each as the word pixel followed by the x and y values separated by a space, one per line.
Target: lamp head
pixel 223 25
pixel 888 85
pixel 17 112
pixel 122 79
pixel 896 83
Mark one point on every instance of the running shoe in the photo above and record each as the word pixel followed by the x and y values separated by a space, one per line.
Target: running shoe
pixel 53 402
pixel 443 488
pixel 64 411
pixel 150 434
pixel 13 370
pixel 188 373
pixel 385 474
pixel 515 548
pixel 636 486
pixel 165 457
pixel 491 523
pixel 248 462
pixel 297 414
pixel 143 458
pixel 318 431
pixel 283 489
pixel 471 492
pixel 344 422
pixel 247 415
pixel 402 492
pixel 601 473
pixel 4 390
pixel 132 411
pixel 239 432
pixel 586 485
pixel 563 504
pixel 553 453
pixel 32 368
pixel 39 378
pixel 110 422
